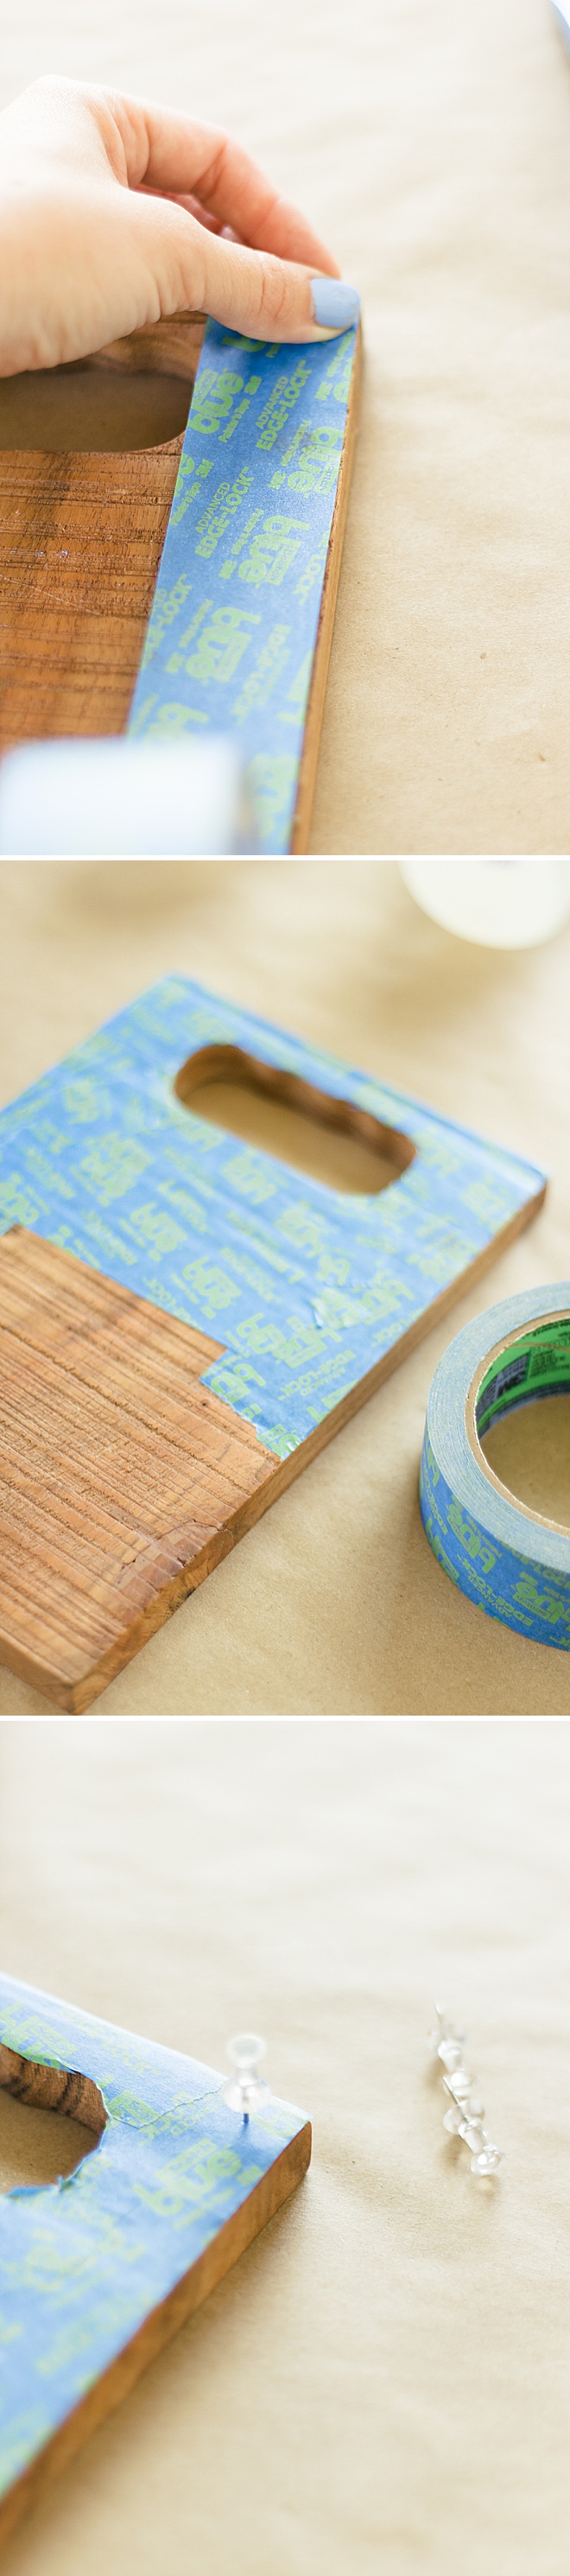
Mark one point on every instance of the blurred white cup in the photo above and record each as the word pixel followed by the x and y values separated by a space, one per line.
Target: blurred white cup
pixel 499 903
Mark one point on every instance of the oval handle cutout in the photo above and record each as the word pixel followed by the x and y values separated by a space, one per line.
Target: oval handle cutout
pixel 331 1140
pixel 83 408
pixel 50 2119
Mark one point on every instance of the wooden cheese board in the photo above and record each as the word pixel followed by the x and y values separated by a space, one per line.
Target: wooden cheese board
pixel 186 1319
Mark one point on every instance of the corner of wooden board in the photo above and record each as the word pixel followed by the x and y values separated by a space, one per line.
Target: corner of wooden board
pixel 158 2330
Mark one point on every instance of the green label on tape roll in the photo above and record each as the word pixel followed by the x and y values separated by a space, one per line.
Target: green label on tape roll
pixel 538 1364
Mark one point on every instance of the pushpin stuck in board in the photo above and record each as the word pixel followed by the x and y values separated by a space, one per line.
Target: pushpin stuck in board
pixel 246 2091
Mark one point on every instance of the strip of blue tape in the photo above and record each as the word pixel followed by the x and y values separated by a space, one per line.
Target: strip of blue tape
pixel 307 1287
pixel 83 2262
pixel 234 620
pixel 513 1566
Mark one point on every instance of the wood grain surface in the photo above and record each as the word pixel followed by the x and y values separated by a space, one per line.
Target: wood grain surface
pixel 81 538
pixel 80 543
pixel 123 1479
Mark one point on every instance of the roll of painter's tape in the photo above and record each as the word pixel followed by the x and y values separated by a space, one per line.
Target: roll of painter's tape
pixel 509 1559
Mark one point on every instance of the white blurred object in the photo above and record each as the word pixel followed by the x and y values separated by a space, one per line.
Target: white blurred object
pixel 499 903
pixel 124 798
pixel 562 13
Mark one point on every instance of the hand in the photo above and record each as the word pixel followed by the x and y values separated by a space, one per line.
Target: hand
pixel 114 214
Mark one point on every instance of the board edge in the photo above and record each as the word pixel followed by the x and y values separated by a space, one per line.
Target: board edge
pixel 159 2328
pixel 307 777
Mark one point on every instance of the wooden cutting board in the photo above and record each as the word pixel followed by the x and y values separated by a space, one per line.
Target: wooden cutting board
pixel 82 533
pixel 99 2271
pixel 186 1318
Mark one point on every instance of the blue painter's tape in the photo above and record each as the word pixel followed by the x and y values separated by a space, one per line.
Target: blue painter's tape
pixel 507 1560
pixel 233 624
pixel 306 1287
pixel 84 2262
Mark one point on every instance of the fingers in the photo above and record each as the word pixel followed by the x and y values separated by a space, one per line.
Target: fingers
pixel 154 148
pixel 192 224
pixel 253 292
pixel 168 152
pixel 192 207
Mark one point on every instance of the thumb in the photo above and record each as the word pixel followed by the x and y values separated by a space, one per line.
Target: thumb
pixel 249 290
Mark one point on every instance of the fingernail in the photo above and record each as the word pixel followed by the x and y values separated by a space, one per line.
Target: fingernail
pixel 336 306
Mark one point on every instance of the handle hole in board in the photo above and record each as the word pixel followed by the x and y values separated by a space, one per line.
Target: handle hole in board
pixel 331 1140
pixel 87 409
pixel 50 2119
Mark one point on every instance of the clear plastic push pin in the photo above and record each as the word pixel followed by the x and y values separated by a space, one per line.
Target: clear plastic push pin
pixel 245 2091
pixel 445 2041
pixel 465 2110
pixel 459 2083
pixel 474 2135
pixel 453 2120
pixel 486 2160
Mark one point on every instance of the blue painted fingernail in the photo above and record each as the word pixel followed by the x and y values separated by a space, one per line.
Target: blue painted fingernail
pixel 336 306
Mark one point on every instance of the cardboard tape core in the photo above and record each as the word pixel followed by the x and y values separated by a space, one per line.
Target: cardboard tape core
pixel 522 1369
